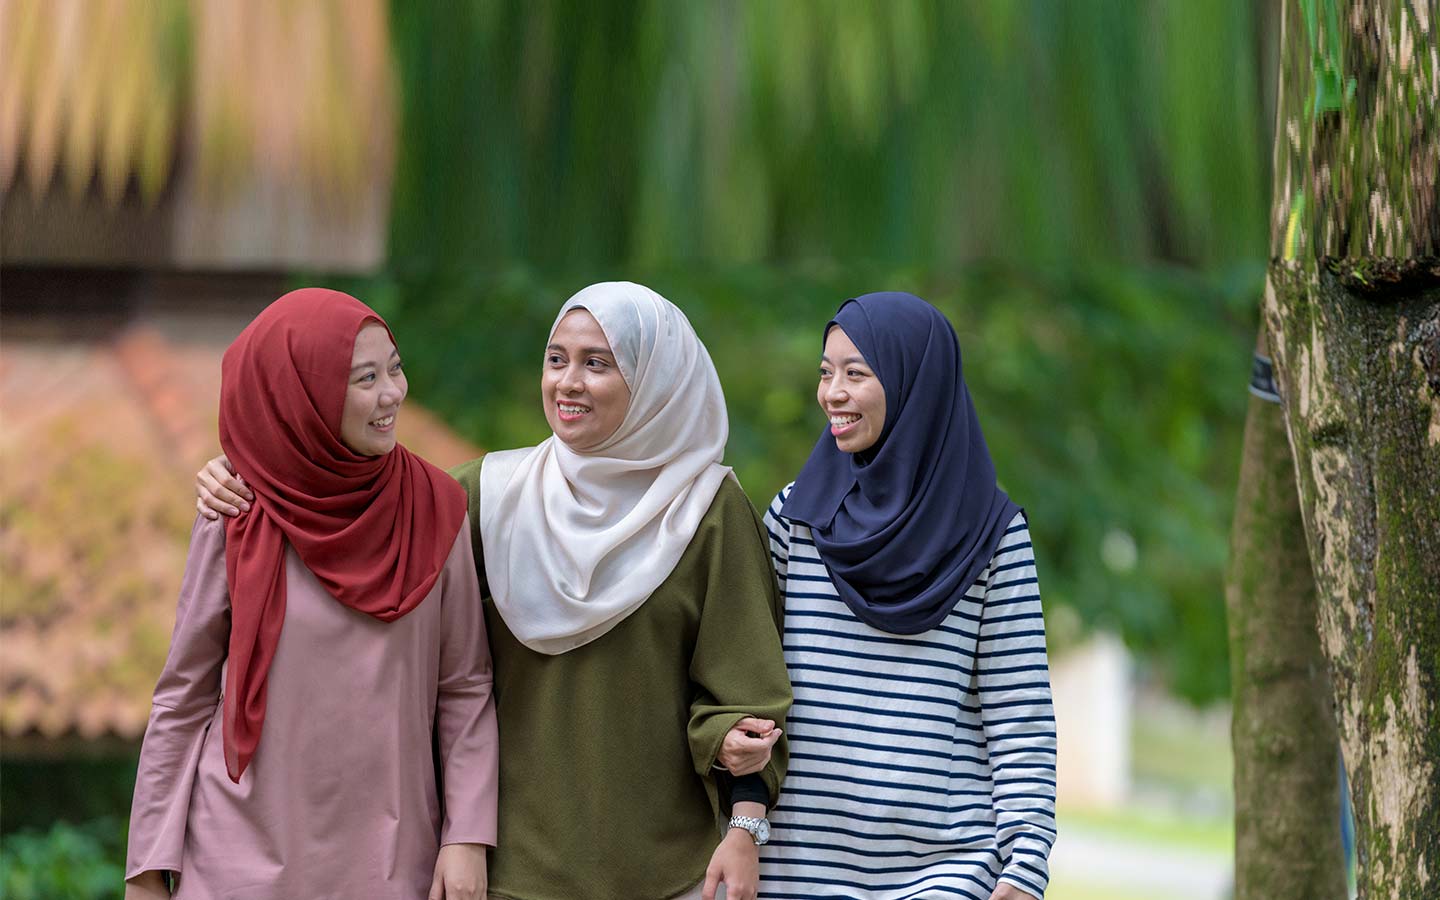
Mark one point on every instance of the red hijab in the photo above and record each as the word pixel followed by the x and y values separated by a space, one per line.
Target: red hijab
pixel 376 530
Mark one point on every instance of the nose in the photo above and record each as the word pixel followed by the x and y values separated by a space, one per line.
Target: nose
pixel 392 391
pixel 572 380
pixel 835 392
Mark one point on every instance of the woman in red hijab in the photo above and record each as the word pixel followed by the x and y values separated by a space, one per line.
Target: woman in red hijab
pixel 329 648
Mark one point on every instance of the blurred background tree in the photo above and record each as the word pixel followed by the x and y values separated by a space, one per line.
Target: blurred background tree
pixel 1080 186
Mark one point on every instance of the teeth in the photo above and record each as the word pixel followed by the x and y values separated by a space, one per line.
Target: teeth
pixel 381 423
pixel 573 410
pixel 843 420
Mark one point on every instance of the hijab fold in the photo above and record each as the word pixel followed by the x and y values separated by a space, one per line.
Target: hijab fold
pixel 375 530
pixel 574 542
pixel 906 527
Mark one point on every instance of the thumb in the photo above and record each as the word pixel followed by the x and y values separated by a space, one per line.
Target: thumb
pixel 757 726
pixel 772 737
pixel 712 880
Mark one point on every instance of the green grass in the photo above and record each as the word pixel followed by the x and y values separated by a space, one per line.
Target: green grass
pixel 1181 748
pixel 1062 891
pixel 1146 826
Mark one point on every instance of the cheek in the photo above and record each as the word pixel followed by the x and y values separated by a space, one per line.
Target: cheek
pixel 617 398
pixel 875 410
pixel 355 406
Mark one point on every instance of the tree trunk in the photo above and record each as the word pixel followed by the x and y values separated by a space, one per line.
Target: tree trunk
pixel 1353 309
pixel 1287 809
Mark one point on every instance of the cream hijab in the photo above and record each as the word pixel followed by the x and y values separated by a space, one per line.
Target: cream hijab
pixel 575 542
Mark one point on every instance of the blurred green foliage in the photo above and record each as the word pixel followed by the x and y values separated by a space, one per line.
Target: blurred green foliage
pixel 67 862
pixel 1081 187
pixel 577 132
pixel 1110 403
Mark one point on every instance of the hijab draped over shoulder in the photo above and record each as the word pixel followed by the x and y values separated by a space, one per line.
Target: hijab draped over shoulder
pixel 375 530
pixel 576 541
pixel 908 525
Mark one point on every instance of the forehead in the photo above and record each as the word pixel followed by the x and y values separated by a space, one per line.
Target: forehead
pixel 839 345
pixel 372 340
pixel 579 328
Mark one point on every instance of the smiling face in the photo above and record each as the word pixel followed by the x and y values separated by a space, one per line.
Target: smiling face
pixel 584 394
pixel 850 394
pixel 374 393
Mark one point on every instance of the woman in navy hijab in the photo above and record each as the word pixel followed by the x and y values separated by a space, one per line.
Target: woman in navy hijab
pixel 922 738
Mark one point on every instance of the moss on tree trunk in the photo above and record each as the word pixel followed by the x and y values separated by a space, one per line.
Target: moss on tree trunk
pixel 1353 310
pixel 1287 811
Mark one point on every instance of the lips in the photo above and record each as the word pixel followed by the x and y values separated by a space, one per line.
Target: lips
pixel 384 423
pixel 569 412
pixel 841 423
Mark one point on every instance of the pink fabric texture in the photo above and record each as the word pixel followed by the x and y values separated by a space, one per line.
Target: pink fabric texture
pixel 342 799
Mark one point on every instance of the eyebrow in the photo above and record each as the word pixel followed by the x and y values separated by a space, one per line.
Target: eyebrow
pixel 847 361
pixel 367 365
pixel 587 351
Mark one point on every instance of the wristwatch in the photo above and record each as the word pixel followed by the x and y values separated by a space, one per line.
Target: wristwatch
pixel 759 828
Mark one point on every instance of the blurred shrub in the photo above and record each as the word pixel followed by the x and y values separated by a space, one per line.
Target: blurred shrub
pixel 68 862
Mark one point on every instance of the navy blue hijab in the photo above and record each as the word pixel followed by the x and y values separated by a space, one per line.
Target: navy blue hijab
pixel 906 527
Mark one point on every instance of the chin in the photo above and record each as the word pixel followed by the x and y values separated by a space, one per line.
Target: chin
pixel 375 449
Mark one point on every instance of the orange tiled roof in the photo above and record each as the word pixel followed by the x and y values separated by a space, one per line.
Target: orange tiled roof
pixel 99 443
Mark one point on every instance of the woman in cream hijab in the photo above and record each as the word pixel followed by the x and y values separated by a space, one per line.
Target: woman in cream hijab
pixel 632 611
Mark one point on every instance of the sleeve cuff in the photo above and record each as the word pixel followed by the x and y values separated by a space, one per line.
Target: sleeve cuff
pixel 750 788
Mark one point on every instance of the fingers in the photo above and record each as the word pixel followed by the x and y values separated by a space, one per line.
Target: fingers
pixel 230 488
pixel 752 725
pixel 214 494
pixel 743 755
pixel 712 880
pixel 437 886
pixel 205 511
pixel 224 475
pixel 236 486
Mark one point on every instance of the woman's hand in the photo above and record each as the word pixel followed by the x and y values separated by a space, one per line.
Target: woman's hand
pixel 147 886
pixel 742 754
pixel 736 864
pixel 459 873
pixel 1007 891
pixel 219 491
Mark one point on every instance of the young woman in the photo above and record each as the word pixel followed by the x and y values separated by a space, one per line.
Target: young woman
pixel 329 650
pixel 922 737
pixel 633 615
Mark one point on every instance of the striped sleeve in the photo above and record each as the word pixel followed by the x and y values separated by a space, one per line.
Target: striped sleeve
pixel 1017 713
pixel 778 531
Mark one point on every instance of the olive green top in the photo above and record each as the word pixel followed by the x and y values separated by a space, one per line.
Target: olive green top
pixel 607 787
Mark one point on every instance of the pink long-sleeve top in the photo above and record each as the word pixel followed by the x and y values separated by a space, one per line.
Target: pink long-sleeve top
pixel 342 798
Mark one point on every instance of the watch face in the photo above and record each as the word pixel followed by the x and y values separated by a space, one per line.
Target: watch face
pixel 762 834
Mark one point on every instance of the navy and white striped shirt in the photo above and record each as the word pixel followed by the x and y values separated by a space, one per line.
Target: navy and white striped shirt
pixel 921 766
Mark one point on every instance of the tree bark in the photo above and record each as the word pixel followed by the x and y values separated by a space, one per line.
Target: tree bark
pixel 1353 309
pixel 1287 809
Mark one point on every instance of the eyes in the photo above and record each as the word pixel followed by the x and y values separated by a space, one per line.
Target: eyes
pixel 369 377
pixel 594 363
pixel 851 372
